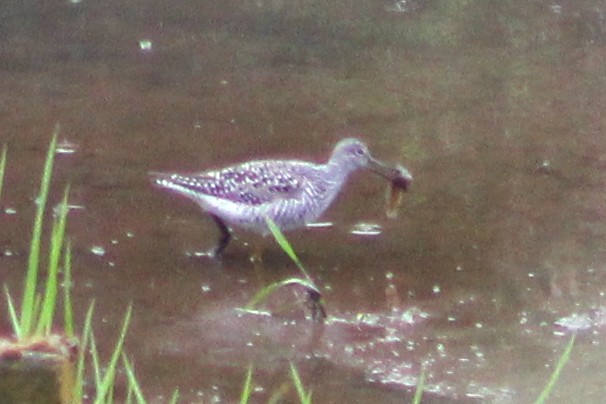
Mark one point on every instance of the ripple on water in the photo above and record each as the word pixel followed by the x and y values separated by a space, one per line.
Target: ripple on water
pixel 592 319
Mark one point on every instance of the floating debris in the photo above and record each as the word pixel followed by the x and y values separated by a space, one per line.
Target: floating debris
pixel 57 208
pixel 320 225
pixel 402 6
pixel 145 45
pixel 98 250
pixel 66 147
pixel 198 254
pixel 366 229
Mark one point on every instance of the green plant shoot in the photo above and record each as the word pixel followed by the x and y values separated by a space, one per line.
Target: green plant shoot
pixel 29 291
pixel 304 397
pixel 105 389
pixel 49 303
pixel 2 167
pixel 556 372
pixel 420 387
pixel 247 389
pixel 285 245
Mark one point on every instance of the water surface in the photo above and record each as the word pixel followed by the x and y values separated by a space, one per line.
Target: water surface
pixel 495 107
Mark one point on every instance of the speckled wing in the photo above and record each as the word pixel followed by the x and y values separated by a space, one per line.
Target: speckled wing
pixel 253 183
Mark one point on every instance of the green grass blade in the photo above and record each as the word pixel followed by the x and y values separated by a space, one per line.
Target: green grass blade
pixel 420 387
pixel 556 372
pixel 133 384
pixel 86 332
pixel 285 245
pixel 107 383
pixel 304 397
pixel 175 397
pixel 247 389
pixel 37 305
pixel 68 310
pixel 267 291
pixel 278 396
pixel 263 294
pixel 31 279
pixel 2 167
pixel 94 354
pixel 12 313
pixel 49 303
pixel 281 239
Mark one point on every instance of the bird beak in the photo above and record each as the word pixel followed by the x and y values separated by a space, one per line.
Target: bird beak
pixel 394 173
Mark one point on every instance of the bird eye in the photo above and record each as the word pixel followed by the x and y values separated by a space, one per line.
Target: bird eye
pixel 360 151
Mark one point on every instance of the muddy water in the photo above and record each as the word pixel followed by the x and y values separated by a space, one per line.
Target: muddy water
pixel 498 251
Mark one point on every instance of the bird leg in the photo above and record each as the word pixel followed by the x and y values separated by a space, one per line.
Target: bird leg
pixel 318 312
pixel 224 239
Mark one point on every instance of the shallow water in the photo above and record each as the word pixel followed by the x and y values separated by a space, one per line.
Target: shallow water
pixel 495 107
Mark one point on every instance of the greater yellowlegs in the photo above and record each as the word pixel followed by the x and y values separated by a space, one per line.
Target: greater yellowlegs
pixel 290 192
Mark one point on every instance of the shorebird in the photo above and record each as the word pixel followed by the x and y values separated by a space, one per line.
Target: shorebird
pixel 290 192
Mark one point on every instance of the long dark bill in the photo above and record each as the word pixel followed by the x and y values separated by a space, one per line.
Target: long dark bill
pixel 394 173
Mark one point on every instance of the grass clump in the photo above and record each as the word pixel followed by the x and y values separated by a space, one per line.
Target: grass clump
pixel 36 317
pixel 27 321
pixel 37 313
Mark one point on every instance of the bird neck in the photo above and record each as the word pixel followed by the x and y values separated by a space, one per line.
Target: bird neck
pixel 338 171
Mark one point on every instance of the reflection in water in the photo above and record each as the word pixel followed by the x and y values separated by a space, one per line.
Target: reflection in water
pixel 498 107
